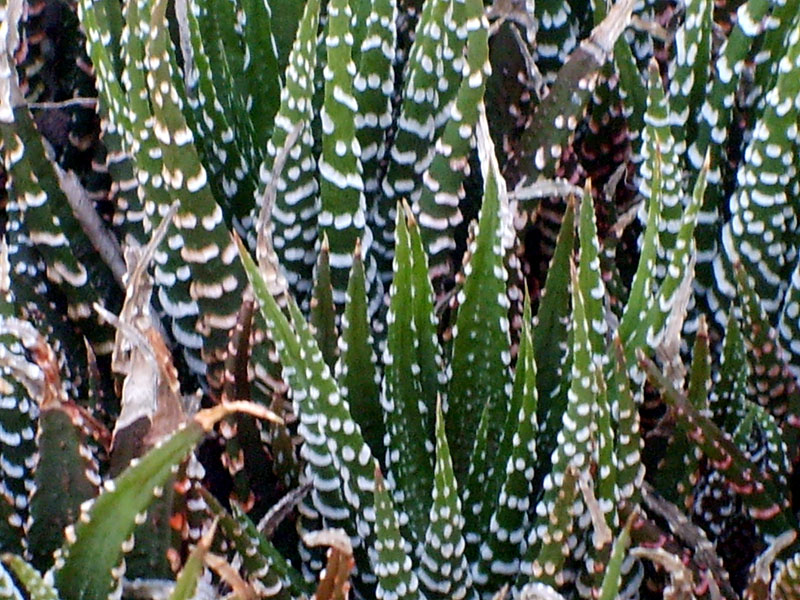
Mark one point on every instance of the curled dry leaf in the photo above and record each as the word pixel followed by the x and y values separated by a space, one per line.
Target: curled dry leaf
pixel 602 532
pixel 669 346
pixel 334 581
pixel 681 581
pixel 220 565
pixel 760 574
pixel 151 403
pixel 209 417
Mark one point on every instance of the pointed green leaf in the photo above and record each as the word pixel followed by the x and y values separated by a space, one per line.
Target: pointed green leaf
pixel 437 206
pixel 632 89
pixel 432 374
pixel 730 391
pixel 551 338
pixel 356 369
pixel 405 397
pixel 594 295
pixel 574 452
pixel 544 560
pixel 34 584
pixel 294 216
pixel 481 358
pixel 502 549
pixel 335 448
pixel 444 571
pixel 323 311
pixel 635 314
pixel 396 576
pixel 612 576
pixel 590 278
pixel 657 136
pixel 87 563
pixel 629 443
pixel 667 301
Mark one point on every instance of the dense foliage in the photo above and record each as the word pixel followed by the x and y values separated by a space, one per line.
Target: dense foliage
pixel 488 299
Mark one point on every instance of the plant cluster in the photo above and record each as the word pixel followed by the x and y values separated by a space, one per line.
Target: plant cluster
pixel 487 300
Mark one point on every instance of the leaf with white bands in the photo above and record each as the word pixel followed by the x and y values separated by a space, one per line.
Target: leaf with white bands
pixel 499 556
pixel 411 153
pixel 294 215
pixel 407 401
pixel 480 366
pixel 763 219
pixel 373 89
pixel 438 204
pixel 201 241
pixel 396 577
pixel 338 450
pixel 343 206
pixel 444 571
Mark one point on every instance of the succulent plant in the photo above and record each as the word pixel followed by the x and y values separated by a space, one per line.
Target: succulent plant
pixel 308 311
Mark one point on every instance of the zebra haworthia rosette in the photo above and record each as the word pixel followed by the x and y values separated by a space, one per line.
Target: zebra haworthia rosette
pixel 498 469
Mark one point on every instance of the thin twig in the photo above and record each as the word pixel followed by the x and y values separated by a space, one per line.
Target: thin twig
pixel 83 102
pixel 546 188
pixel 534 75
pixel 269 523
pixel 600 43
pixel 82 207
pixel 651 27
pixel 265 252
